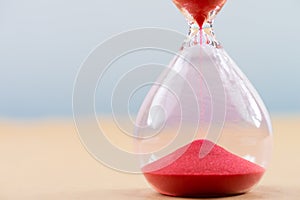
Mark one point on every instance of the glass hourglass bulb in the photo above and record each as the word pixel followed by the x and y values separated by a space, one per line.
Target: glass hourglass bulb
pixel 203 129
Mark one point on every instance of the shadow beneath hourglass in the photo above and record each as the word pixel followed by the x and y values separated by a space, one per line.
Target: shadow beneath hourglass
pixel 260 193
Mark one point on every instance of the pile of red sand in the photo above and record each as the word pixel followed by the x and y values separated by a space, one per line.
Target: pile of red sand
pixel 220 173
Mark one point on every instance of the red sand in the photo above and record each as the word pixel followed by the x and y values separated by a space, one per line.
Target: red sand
pixel 199 9
pixel 220 173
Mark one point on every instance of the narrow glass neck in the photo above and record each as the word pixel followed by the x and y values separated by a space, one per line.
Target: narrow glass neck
pixel 201 36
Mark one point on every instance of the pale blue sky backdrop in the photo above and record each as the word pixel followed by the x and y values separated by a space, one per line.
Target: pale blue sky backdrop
pixel 43 43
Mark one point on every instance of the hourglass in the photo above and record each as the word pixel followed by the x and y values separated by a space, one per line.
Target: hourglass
pixel 202 129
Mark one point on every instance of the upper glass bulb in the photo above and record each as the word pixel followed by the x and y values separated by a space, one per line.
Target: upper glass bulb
pixel 199 11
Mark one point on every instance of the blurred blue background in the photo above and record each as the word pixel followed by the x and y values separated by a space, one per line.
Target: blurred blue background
pixel 43 43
